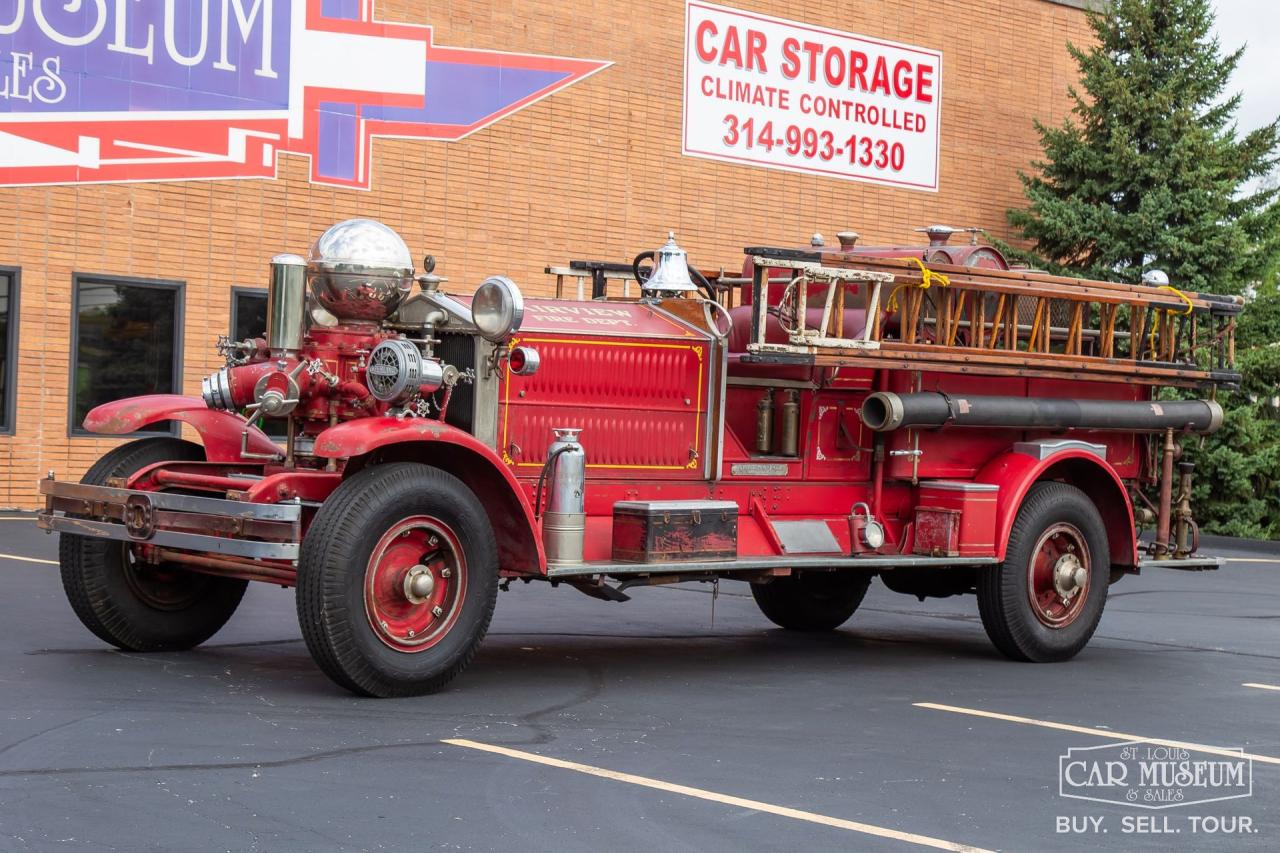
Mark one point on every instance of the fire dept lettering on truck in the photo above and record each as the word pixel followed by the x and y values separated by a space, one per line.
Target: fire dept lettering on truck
pixel 144 90
pixel 786 95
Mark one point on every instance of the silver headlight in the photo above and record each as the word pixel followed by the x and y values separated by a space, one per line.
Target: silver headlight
pixel 497 308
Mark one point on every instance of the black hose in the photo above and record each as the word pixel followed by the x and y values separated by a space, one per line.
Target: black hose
pixel 542 476
pixel 635 266
pixel 885 410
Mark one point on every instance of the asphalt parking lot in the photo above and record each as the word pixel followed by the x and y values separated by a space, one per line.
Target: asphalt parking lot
pixel 676 721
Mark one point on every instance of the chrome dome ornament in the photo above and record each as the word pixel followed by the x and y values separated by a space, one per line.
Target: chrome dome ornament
pixel 359 269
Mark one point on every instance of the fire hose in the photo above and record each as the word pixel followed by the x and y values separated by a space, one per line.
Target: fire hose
pixel 885 410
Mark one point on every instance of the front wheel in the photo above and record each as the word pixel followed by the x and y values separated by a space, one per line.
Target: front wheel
pixel 1043 603
pixel 130 603
pixel 397 581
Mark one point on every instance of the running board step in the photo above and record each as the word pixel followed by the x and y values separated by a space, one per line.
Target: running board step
pixel 890 561
pixel 1185 564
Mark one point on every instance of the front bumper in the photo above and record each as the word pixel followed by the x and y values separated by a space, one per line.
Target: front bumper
pixel 167 520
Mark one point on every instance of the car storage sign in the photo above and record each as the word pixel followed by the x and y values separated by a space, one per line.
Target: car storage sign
pixel 130 90
pixel 785 95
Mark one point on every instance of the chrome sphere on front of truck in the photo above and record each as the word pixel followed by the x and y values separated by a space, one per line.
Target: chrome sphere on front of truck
pixel 360 269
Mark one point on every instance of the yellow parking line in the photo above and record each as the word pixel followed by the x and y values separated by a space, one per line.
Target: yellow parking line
pixel 1260 686
pixel 725 799
pixel 1106 733
pixel 1252 560
pixel 28 559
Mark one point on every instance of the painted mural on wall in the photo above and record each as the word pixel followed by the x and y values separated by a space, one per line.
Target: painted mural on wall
pixel 157 90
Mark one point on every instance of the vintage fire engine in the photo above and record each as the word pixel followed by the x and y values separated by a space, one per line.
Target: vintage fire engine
pixel 925 415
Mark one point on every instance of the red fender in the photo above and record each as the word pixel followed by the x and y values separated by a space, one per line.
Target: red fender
pixel 219 430
pixel 438 444
pixel 1015 473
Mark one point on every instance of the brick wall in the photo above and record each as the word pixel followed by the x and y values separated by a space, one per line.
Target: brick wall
pixel 593 171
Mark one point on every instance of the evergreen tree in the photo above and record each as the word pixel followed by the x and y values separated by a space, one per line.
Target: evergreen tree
pixel 1237 481
pixel 1149 170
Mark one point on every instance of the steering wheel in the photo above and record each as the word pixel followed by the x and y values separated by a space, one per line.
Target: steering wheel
pixel 642 274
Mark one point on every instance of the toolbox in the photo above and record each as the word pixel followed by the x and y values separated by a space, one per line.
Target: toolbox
pixel 956 519
pixel 674 531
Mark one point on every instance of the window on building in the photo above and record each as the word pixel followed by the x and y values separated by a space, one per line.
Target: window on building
pixel 128 341
pixel 248 313
pixel 8 348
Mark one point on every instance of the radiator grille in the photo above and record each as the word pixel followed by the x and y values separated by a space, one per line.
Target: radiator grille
pixel 460 351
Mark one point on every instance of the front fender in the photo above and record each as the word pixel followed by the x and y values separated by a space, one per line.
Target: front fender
pixel 220 431
pixel 1015 473
pixel 460 454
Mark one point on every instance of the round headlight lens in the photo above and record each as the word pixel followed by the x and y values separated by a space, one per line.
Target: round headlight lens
pixel 873 533
pixel 497 308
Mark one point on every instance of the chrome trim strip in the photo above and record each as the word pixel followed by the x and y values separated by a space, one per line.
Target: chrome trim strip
pixel 959 486
pixel 171 539
pixel 1045 447
pixel 1191 564
pixel 484 420
pixel 750 563
pixel 170 500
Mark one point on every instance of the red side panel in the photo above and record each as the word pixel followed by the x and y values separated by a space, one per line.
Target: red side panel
pixel 640 402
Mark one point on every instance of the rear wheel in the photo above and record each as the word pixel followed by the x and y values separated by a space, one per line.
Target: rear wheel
pixel 1043 603
pixel 397 580
pixel 811 601
pixel 134 605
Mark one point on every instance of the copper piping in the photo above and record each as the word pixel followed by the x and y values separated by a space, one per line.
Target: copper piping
pixel 230 567
pixel 199 481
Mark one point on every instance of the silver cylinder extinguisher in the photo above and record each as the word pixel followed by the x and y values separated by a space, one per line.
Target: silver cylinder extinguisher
pixel 565 521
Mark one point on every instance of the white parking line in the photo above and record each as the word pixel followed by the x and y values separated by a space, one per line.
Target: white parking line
pixel 1260 686
pixel 1106 733
pixel 28 559
pixel 725 799
pixel 1252 560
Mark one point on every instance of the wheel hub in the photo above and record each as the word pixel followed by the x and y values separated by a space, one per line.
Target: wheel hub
pixel 415 583
pixel 419 583
pixel 1068 576
pixel 1058 575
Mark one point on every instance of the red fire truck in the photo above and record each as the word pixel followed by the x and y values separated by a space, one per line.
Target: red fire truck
pixel 921 414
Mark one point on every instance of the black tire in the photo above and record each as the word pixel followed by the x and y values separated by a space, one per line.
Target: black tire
pixel 811 601
pixel 1004 592
pixel 337 566
pixel 142 608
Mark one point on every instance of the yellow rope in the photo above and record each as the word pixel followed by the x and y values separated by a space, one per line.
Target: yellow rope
pixel 1168 313
pixel 927 279
pixel 1187 299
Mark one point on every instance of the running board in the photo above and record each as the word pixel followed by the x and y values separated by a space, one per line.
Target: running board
pixel 1185 564
pixel 874 561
